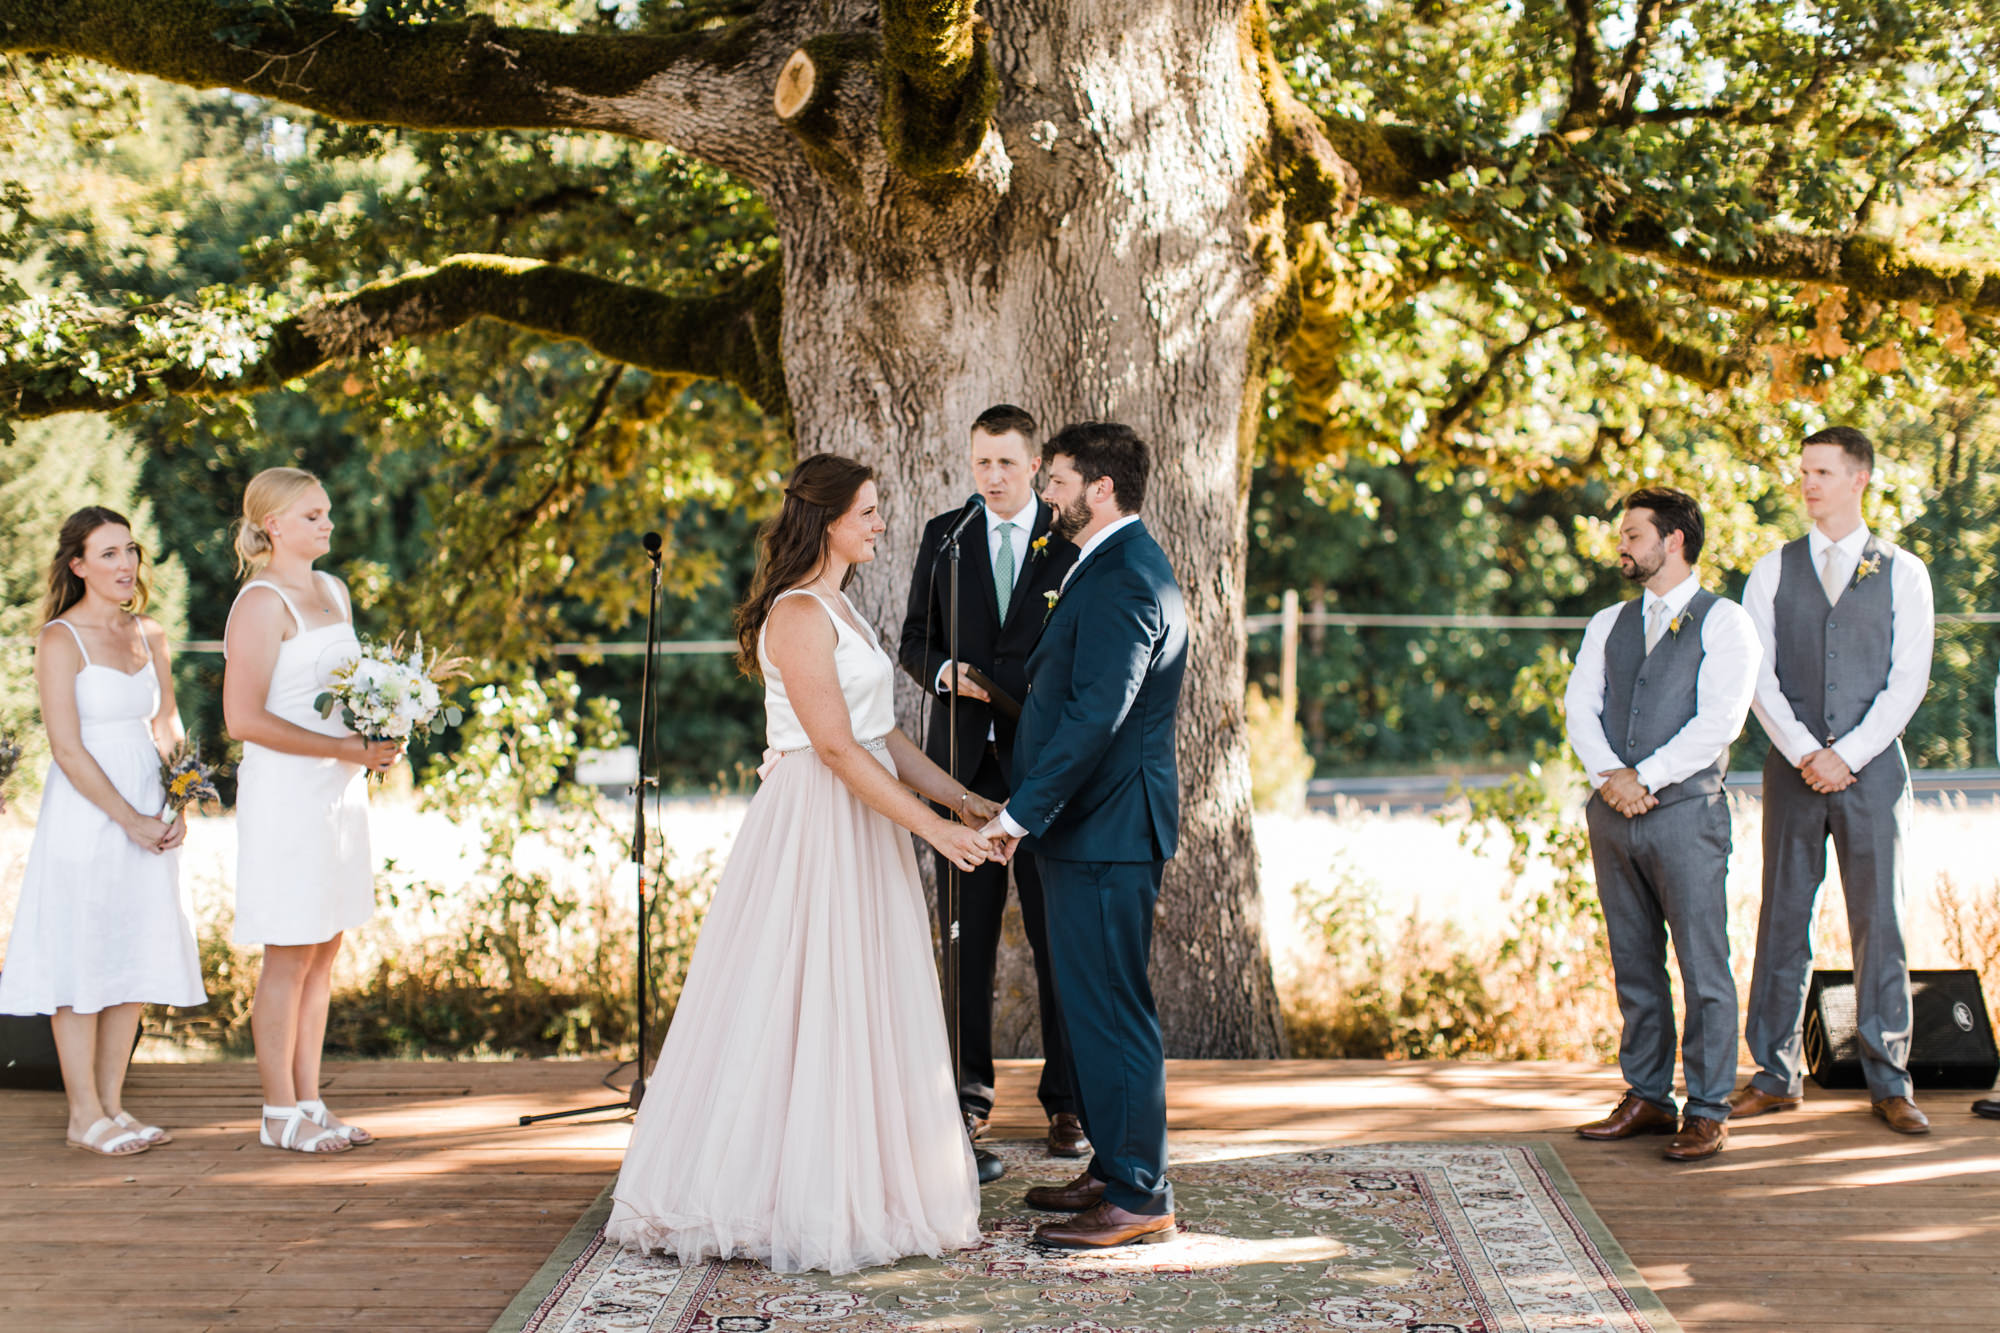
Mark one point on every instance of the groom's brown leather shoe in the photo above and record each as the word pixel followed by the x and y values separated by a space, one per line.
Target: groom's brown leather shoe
pixel 1066 1136
pixel 1083 1192
pixel 1635 1115
pixel 1104 1226
pixel 1753 1100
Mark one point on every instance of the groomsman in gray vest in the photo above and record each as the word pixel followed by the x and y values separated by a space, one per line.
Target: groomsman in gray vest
pixel 1660 689
pixel 1845 620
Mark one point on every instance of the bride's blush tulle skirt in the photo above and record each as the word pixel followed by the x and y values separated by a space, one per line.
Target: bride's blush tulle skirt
pixel 802 1111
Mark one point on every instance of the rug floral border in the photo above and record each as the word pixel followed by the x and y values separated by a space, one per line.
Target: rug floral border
pixel 1615 1265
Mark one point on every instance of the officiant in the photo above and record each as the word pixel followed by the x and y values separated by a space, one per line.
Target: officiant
pixel 1008 563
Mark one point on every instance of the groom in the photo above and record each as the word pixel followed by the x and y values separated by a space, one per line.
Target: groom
pixel 1097 791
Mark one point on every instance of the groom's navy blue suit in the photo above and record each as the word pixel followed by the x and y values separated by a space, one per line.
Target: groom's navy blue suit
pixel 1098 791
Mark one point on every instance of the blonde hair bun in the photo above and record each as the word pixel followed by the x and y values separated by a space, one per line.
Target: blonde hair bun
pixel 270 492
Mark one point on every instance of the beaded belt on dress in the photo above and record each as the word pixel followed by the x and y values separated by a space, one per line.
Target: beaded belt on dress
pixel 879 744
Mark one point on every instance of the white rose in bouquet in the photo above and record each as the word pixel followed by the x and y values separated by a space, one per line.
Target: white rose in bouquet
pixel 383 693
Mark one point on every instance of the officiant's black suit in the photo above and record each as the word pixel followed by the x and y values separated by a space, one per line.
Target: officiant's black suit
pixel 998 642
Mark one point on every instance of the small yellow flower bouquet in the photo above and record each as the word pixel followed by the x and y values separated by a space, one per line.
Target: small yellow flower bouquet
pixel 186 780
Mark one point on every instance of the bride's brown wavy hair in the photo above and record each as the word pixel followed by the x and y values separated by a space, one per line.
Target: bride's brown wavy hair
pixel 792 545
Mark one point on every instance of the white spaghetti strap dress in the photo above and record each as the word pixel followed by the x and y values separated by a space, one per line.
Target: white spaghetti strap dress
pixel 100 919
pixel 304 872
pixel 803 1110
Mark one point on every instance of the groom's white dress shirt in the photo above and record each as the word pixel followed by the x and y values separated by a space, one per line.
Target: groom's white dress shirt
pixel 1723 689
pixel 1015 830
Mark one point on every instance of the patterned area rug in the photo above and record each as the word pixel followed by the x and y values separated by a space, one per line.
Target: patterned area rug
pixel 1412 1237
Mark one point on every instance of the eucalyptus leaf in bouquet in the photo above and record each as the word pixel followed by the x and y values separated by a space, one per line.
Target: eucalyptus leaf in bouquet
pixel 384 693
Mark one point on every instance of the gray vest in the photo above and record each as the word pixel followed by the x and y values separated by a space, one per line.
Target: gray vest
pixel 1649 697
pixel 1832 660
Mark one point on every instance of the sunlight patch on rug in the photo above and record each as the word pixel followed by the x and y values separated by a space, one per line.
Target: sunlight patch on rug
pixel 1417 1238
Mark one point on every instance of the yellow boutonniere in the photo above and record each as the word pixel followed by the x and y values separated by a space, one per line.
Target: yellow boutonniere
pixel 1867 566
pixel 1052 596
pixel 1038 545
pixel 1675 625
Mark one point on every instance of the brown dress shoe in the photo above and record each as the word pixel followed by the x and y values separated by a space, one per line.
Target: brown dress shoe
pixel 1699 1137
pixel 1104 1226
pixel 1753 1100
pixel 1903 1115
pixel 1083 1192
pixel 1066 1136
pixel 1635 1115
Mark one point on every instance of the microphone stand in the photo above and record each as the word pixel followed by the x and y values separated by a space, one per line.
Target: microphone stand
pixel 990 1167
pixel 648 767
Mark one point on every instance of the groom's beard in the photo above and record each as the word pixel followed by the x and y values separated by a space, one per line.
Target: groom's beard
pixel 1068 522
pixel 1636 570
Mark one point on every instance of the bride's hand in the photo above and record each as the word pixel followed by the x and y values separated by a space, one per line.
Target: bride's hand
pixel 962 846
pixel 975 810
pixel 377 756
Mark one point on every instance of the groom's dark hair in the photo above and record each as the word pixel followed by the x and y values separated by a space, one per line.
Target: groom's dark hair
pixel 1672 511
pixel 1105 449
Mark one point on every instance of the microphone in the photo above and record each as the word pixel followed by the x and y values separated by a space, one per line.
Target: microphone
pixel 651 541
pixel 973 508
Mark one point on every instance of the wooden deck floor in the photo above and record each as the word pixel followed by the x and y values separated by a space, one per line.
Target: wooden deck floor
pixel 1820 1220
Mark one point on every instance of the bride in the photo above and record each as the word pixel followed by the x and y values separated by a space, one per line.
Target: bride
pixel 803 1110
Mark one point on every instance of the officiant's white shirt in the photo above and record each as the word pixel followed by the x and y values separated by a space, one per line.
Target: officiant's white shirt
pixel 1724 686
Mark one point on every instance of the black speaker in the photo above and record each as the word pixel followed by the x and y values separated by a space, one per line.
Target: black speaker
pixel 1951 1042
pixel 28 1053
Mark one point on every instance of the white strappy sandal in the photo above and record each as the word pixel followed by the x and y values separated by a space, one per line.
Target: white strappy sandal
pixel 152 1134
pixel 317 1113
pixel 106 1140
pixel 295 1136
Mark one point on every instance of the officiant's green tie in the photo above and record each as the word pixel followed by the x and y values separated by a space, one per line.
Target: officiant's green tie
pixel 1003 567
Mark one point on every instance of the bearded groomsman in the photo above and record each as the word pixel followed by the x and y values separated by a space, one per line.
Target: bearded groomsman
pixel 1845 620
pixel 1660 689
pixel 1008 563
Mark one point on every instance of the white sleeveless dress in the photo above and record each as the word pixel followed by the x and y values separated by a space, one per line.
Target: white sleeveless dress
pixel 304 872
pixel 100 920
pixel 802 1111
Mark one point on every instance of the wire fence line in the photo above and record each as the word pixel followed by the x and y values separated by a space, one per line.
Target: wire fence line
pixel 1368 620
pixel 1257 624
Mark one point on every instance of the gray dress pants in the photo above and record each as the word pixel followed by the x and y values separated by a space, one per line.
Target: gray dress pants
pixel 1658 873
pixel 1866 823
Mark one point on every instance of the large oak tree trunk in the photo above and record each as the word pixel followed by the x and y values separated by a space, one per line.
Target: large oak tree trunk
pixel 1110 260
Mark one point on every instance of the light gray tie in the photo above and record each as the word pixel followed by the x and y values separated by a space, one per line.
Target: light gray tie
pixel 1003 567
pixel 1829 575
pixel 1656 624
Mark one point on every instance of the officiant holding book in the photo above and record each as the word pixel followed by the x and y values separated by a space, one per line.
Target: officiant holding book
pixel 1008 564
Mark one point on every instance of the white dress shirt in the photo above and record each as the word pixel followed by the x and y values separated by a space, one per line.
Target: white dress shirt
pixel 1015 830
pixel 1096 542
pixel 1911 632
pixel 1723 690
pixel 1024 523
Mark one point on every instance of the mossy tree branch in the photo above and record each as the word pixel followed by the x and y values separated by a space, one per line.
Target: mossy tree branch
pixel 1868 266
pixel 1633 326
pixel 730 336
pixel 939 84
pixel 680 89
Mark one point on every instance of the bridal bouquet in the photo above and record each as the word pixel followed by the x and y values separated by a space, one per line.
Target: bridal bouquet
pixel 186 780
pixel 385 693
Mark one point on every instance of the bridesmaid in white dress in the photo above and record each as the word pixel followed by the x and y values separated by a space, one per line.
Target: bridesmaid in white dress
pixel 304 873
pixel 100 931
pixel 803 1111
